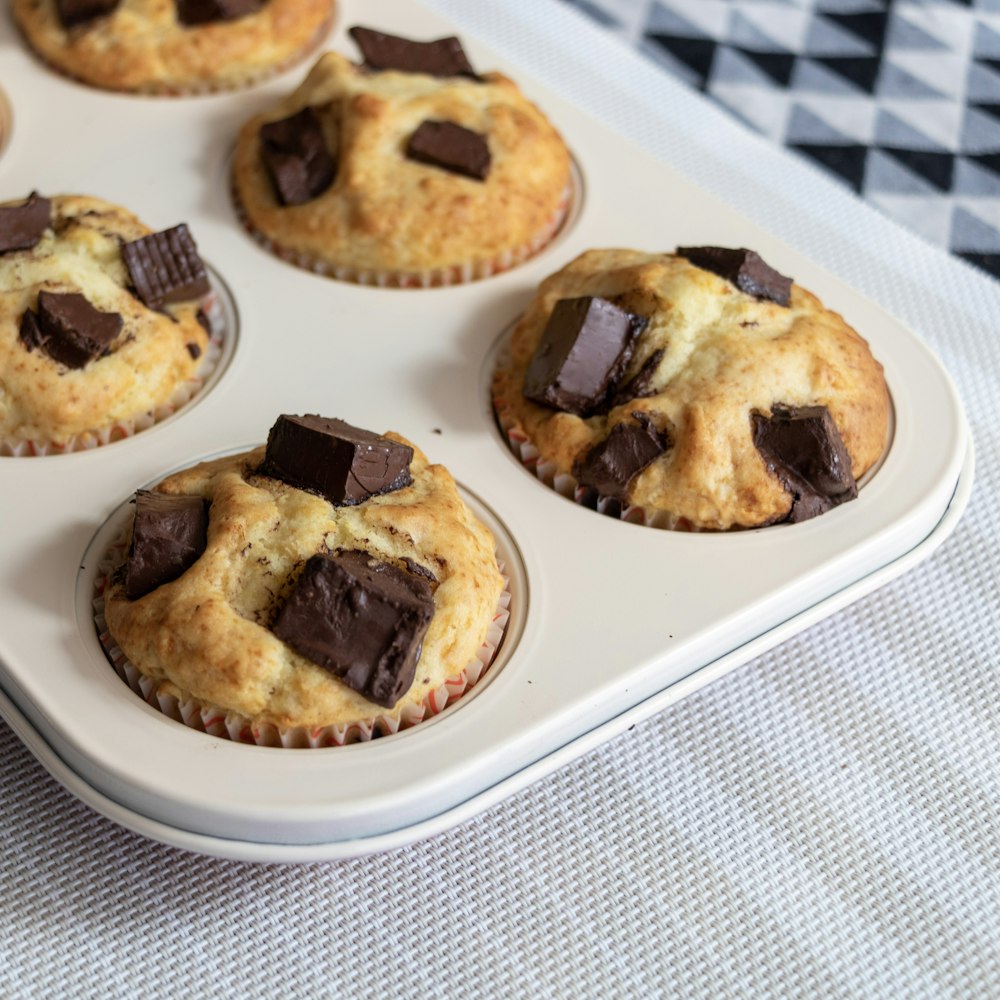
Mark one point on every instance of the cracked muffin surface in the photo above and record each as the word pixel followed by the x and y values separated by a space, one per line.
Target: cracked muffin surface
pixel 710 361
pixel 156 351
pixel 395 217
pixel 208 634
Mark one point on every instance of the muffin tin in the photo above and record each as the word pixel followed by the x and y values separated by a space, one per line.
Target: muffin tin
pixel 610 621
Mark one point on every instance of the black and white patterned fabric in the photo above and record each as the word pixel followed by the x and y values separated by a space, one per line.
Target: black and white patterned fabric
pixel 899 99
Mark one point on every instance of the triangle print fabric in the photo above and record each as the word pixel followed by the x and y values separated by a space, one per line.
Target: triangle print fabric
pixel 897 99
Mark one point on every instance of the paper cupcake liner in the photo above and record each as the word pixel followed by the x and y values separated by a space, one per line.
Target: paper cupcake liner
pixel 121 429
pixel 208 718
pixel 203 88
pixel 457 274
pixel 568 486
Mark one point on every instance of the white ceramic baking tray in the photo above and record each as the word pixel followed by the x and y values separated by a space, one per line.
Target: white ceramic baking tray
pixel 610 621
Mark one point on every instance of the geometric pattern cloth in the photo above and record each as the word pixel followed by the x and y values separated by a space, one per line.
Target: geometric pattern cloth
pixel 898 99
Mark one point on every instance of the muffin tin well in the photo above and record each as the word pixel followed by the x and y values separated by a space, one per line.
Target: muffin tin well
pixel 106 551
pixel 223 318
pixel 526 456
pixel 610 621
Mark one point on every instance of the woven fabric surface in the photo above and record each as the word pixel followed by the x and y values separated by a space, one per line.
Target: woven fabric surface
pixel 823 822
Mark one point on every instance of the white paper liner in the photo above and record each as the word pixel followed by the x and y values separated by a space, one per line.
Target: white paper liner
pixel 183 394
pixel 207 718
pixel 567 485
pixel 457 274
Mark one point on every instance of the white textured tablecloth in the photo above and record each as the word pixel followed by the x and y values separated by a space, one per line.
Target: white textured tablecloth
pixel 824 822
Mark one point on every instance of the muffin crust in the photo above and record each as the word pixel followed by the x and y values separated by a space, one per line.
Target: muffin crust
pixel 723 355
pixel 142 46
pixel 43 400
pixel 387 213
pixel 206 635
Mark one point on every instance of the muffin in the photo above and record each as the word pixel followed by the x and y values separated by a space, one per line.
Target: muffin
pixel 178 47
pixel 408 169
pixel 317 590
pixel 103 327
pixel 699 390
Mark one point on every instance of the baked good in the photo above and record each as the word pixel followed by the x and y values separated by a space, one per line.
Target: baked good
pixel 408 169
pixel 101 322
pixel 702 387
pixel 331 580
pixel 172 46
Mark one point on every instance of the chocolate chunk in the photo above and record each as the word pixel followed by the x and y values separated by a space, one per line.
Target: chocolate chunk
pixel 612 464
pixel 442 57
pixel 803 448
pixel 414 567
pixel 194 350
pixel 169 533
pixel 641 384
pixel 205 11
pixel 450 147
pixel 362 619
pixel 69 329
pixel 74 12
pixel 743 268
pixel 21 226
pixel 327 456
pixel 296 157
pixel 203 321
pixel 30 333
pixel 583 351
pixel 165 267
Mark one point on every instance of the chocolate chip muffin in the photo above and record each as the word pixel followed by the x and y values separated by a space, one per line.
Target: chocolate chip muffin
pixel 172 46
pixel 702 389
pixel 101 322
pixel 408 169
pixel 329 583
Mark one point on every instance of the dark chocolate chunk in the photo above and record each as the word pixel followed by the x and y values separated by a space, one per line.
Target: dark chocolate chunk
pixel 584 349
pixel 165 267
pixel 169 533
pixel 362 619
pixel 74 12
pixel 803 448
pixel 612 464
pixel 21 226
pixel 414 567
pixel 194 350
pixel 743 268
pixel 295 154
pixel 327 456
pixel 641 384
pixel 205 11
pixel 442 57
pixel 69 329
pixel 30 333
pixel 203 321
pixel 450 147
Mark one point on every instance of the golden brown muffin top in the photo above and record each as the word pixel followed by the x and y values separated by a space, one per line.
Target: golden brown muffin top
pixel 389 213
pixel 43 400
pixel 206 634
pixel 141 45
pixel 722 355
